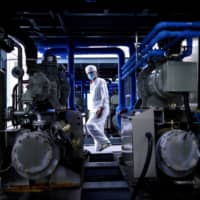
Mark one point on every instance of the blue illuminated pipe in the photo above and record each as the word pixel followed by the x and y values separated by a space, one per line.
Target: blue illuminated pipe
pixel 159 27
pixel 133 91
pixel 71 77
pixel 131 59
pixel 169 34
pixel 162 35
pixel 169 25
pixel 109 50
pixel 188 52
pixel 152 53
pixel 143 61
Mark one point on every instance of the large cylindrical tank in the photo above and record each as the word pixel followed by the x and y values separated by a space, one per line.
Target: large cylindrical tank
pixel 177 153
pixel 35 155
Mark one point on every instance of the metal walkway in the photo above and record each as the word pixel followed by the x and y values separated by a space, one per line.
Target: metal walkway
pixel 103 179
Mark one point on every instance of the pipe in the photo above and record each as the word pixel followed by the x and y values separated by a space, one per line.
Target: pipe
pixel 162 35
pixel 188 52
pixel 20 65
pixel 171 43
pixel 71 76
pixel 165 25
pixel 133 82
pixel 109 50
pixel 58 49
pixel 141 62
pixel 188 111
pixel 133 97
pixel 198 88
pixel 168 25
pixel 170 34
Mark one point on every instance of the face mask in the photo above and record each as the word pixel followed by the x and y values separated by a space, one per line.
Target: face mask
pixel 91 76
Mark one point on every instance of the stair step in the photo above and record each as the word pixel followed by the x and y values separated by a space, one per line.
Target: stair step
pixel 97 157
pixel 101 164
pixel 105 185
pixel 107 190
pixel 102 174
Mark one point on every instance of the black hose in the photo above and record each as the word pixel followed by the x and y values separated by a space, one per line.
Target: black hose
pixel 187 110
pixel 145 168
pixel 5 170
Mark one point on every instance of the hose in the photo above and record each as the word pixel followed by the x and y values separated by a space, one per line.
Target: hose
pixel 6 169
pixel 187 110
pixel 146 166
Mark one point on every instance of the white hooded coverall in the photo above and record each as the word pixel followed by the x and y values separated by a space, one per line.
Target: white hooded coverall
pixel 98 97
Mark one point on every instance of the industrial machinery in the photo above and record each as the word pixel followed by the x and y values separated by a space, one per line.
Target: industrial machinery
pixel 44 147
pixel 160 139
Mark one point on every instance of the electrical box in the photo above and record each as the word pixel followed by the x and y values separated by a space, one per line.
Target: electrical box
pixel 178 76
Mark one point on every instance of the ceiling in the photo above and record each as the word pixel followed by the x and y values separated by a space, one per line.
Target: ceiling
pixel 89 22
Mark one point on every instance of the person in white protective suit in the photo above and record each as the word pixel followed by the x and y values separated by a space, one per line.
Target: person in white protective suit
pixel 98 107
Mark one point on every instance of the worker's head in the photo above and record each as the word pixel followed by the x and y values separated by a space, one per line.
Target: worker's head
pixel 91 71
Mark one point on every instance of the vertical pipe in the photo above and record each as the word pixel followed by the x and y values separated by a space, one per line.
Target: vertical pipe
pixel 2 104
pixel 133 78
pixel 85 91
pixel 121 90
pixel 20 65
pixel 198 89
pixel 72 76
pixel 188 52
pixel 121 84
pixel 20 79
pixel 2 89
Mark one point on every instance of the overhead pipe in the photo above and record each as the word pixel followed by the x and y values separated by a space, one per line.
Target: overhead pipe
pixel 170 34
pixel 167 46
pixel 154 53
pixel 57 49
pixel 171 43
pixel 168 25
pixel 159 27
pixel 162 35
